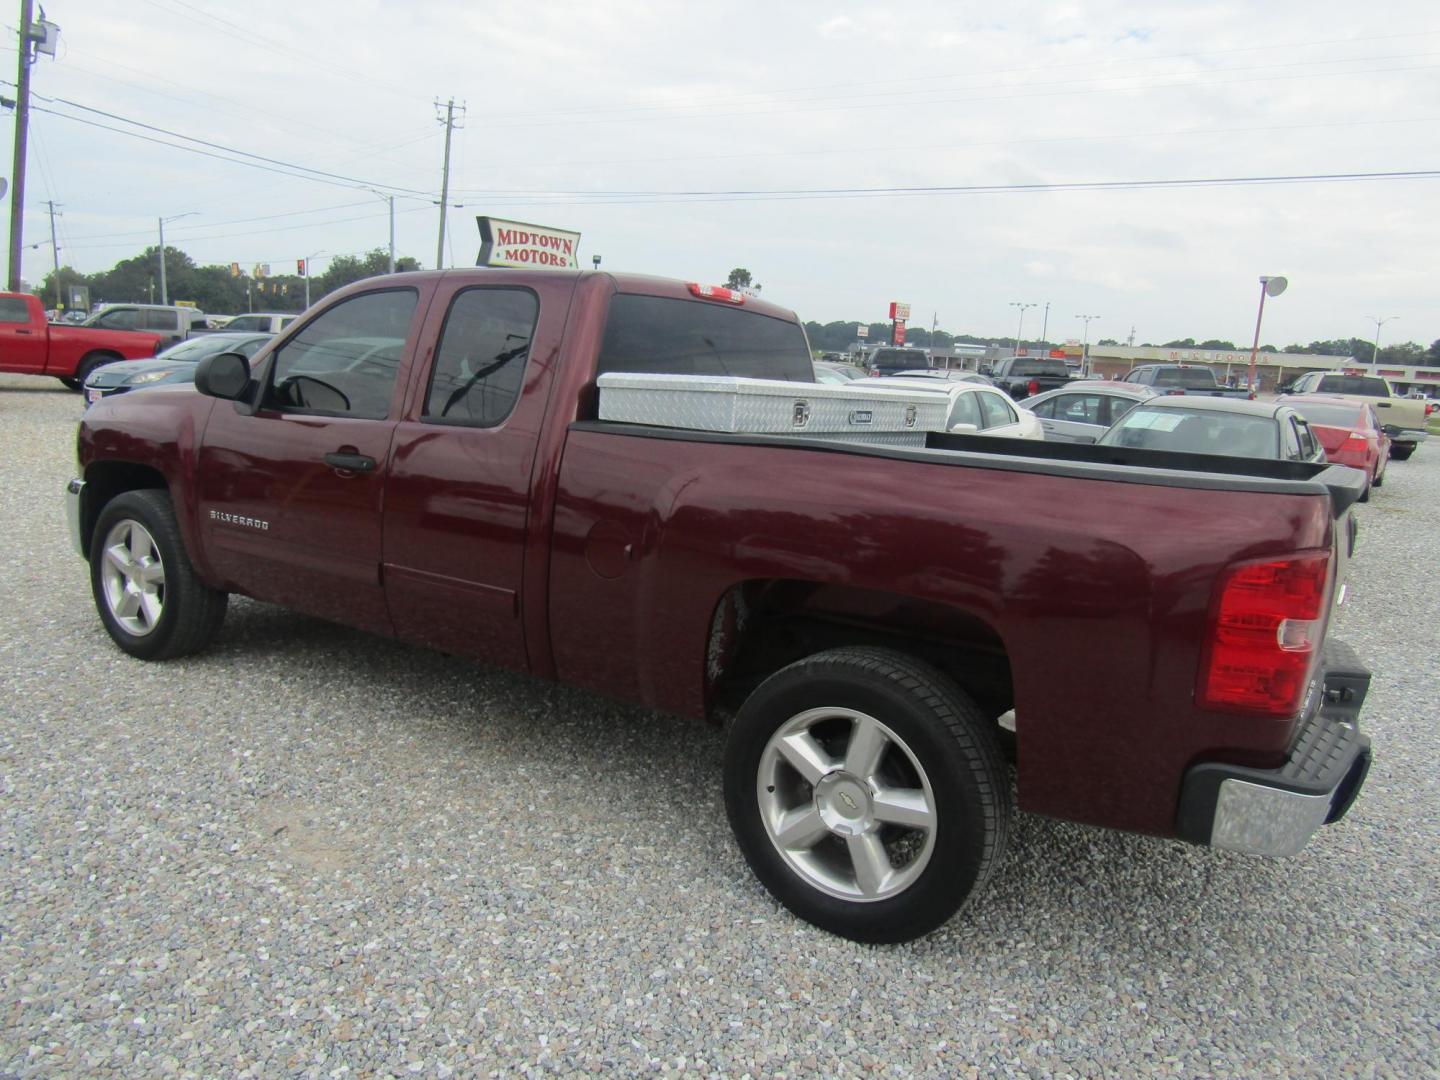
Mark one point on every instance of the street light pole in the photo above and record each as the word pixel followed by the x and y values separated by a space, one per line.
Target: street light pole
pixel 1085 347
pixel 1045 326
pixel 1021 325
pixel 164 294
pixel 1269 286
pixel 1375 353
pixel 308 268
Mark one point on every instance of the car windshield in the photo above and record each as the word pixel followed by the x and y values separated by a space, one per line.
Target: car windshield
pixel 1342 416
pixel 198 348
pixel 1196 431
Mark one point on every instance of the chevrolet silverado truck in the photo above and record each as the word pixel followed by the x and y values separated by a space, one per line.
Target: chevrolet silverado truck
pixel 1192 379
pixel 31 346
pixel 421 456
pixel 1021 376
pixel 1405 420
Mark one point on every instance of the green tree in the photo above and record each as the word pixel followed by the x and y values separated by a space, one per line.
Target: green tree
pixel 347 269
pixel 739 278
pixel 1215 343
pixel 1432 354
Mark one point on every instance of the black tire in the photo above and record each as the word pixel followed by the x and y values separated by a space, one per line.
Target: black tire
pixel 189 611
pixel 86 366
pixel 70 384
pixel 936 727
pixel 1401 453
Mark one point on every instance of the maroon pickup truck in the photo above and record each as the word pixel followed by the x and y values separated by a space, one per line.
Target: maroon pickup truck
pixel 31 346
pixel 420 456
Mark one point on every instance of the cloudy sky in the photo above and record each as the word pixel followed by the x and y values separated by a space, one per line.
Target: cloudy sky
pixel 797 140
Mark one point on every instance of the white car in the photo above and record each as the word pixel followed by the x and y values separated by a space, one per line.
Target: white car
pixel 978 409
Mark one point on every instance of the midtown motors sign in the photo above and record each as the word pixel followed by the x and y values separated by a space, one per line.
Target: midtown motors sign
pixel 518 243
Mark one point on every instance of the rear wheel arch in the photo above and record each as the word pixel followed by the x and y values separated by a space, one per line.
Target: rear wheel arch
pixel 760 626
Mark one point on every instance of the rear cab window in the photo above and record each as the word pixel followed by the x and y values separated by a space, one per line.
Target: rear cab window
pixel 1025 367
pixel 1361 385
pixel 660 335
pixel 1197 378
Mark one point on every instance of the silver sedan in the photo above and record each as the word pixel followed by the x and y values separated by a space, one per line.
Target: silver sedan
pixel 1083 411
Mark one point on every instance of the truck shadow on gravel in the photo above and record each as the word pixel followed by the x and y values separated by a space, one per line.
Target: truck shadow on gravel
pixel 1058 879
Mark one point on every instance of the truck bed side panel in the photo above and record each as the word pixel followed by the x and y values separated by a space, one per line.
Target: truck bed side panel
pixel 1098 589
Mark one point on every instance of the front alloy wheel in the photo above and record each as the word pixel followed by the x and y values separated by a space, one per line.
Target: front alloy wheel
pixel 132 577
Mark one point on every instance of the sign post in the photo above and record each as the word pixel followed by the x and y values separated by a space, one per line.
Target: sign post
pixel 899 315
pixel 518 243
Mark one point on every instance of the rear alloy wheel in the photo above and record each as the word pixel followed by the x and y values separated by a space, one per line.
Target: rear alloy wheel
pixel 867 793
pixel 151 601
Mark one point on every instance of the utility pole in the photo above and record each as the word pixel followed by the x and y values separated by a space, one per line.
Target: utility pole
pixel 164 294
pixel 55 247
pixel 444 182
pixel 1045 326
pixel 390 199
pixel 22 126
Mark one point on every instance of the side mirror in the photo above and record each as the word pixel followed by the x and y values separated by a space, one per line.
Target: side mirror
pixel 964 429
pixel 225 376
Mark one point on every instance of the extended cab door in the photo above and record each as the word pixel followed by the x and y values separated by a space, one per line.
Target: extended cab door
pixel 291 496
pixel 23 345
pixel 458 500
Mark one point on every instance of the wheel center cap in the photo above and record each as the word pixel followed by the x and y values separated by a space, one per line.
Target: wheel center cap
pixel 844 804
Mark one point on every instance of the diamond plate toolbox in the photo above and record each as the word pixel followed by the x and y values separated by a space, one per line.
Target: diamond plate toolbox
pixel 766 406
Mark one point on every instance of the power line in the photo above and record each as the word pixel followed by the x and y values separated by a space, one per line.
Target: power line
pixel 987 72
pixel 575 198
pixel 233 221
pixel 973 99
pixel 849 151
pixel 226 149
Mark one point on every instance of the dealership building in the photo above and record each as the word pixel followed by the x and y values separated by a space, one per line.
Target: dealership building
pixel 1271 368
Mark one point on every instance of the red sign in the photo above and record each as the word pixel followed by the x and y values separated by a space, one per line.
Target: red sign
pixel 899 333
pixel 1022 351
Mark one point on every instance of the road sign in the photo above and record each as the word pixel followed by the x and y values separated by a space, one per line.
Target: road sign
pixel 899 311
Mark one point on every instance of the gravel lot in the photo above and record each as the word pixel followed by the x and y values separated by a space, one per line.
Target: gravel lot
pixel 315 853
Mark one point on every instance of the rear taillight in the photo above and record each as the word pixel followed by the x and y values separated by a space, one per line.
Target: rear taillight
pixel 716 292
pixel 1174 393
pixel 1263 632
pixel 1354 443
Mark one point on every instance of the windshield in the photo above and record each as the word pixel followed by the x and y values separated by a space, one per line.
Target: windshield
pixel 1196 431
pixel 1190 377
pixel 198 348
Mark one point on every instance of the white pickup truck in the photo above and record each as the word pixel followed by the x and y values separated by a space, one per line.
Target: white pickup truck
pixel 1404 419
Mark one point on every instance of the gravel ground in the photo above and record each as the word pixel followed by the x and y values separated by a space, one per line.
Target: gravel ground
pixel 315 853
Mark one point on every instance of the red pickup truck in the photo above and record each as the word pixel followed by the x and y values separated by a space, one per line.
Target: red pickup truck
pixel 31 346
pixel 420 456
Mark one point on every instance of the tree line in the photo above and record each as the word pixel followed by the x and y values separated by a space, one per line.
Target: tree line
pixel 215 290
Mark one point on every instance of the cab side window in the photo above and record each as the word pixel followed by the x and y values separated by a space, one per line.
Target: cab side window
pixel 995 411
pixel 1046 409
pixel 344 363
pixel 1291 440
pixel 480 361
pixel 120 319
pixel 965 410
pixel 158 320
